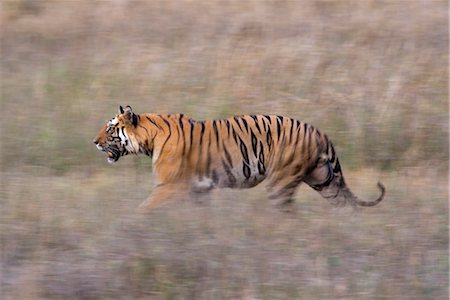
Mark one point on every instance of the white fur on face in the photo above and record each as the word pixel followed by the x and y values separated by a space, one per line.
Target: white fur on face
pixel 113 122
pixel 123 137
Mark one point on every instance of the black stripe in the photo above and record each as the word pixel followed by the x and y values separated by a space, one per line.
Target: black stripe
pixel 181 122
pixel 246 170
pixel 290 159
pixel 165 121
pixel 310 129
pixel 254 142
pixel 292 154
pixel 202 131
pixel 245 162
pixel 337 167
pixel 299 129
pixel 255 118
pixel 170 132
pixel 261 152
pixel 333 154
pixel 264 123
pixel 330 177
pixel 234 135
pixel 268 118
pixel 290 132
pixel 278 129
pixel 191 135
pixel 288 187
pixel 237 121
pixel 305 132
pixel 153 122
pixel 261 167
pixel 216 132
pixel 208 158
pixel 182 132
pixel 200 149
pixel 296 168
pixel 143 149
pixel 318 137
pixel 230 175
pixel 269 138
pixel 228 126
pixel 245 123
pixel 307 149
pixel 178 131
pixel 144 129
pixel 228 156
pixel 244 150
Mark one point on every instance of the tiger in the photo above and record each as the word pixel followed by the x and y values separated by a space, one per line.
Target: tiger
pixel 191 158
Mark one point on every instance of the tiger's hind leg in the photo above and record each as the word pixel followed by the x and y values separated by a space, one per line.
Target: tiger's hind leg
pixel 281 193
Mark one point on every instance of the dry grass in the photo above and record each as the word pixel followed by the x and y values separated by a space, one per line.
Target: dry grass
pixel 371 74
pixel 367 71
pixel 82 238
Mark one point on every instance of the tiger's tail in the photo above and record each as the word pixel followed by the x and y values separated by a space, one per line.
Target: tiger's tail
pixel 328 180
pixel 347 196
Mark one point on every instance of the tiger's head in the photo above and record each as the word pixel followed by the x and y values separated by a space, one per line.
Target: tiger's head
pixel 116 137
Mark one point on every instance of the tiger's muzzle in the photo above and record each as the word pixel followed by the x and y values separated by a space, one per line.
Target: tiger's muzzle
pixel 112 151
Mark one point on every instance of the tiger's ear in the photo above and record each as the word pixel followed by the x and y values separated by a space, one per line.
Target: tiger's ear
pixel 121 111
pixel 129 116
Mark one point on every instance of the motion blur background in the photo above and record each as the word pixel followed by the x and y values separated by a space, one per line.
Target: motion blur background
pixel 373 75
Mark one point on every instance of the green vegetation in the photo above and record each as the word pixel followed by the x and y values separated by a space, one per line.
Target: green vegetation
pixel 372 75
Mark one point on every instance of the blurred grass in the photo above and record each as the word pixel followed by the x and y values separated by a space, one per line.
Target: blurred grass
pixel 373 75
pixel 361 71
pixel 84 239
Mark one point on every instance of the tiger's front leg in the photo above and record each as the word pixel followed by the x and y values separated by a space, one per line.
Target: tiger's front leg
pixel 163 194
pixel 200 190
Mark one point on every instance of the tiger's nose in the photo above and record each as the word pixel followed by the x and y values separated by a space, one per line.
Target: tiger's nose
pixel 95 141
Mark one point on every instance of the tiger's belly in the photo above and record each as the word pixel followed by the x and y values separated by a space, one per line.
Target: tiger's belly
pixel 229 178
pixel 242 182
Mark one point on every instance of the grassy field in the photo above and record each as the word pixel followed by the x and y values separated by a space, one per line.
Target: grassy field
pixel 373 75
pixel 81 237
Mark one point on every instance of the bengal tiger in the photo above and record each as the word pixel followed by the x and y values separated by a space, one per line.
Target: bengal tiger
pixel 193 157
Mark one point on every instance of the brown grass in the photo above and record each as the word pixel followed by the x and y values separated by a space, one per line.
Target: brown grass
pixel 371 74
pixel 82 238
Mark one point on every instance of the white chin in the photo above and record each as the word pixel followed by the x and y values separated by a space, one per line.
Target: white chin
pixel 111 160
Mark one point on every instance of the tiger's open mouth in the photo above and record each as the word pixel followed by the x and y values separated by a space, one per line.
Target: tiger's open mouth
pixel 113 154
